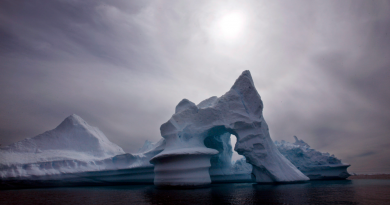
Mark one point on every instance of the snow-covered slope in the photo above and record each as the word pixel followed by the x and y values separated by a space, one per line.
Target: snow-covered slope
pixel 73 146
pixel 238 112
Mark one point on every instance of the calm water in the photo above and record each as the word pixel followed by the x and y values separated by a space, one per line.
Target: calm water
pixel 362 191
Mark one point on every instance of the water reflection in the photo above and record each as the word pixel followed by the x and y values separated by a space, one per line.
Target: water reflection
pixel 314 192
pixel 335 192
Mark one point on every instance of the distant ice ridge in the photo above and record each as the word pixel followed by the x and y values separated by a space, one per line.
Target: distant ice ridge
pixel 152 148
pixel 72 147
pixel 185 160
pixel 304 157
pixel 241 167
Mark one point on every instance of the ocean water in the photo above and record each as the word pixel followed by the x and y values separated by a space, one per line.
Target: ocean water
pixel 360 191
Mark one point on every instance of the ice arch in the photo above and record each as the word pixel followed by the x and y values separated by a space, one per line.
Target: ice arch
pixel 185 160
pixel 221 163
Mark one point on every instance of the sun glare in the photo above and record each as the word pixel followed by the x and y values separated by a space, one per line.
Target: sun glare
pixel 230 26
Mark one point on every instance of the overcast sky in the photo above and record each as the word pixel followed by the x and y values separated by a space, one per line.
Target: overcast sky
pixel 322 68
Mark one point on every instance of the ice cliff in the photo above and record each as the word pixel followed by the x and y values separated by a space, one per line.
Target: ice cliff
pixel 185 159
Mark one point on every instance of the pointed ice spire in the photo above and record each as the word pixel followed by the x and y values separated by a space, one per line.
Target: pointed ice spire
pixel 72 121
pixel 243 81
pixel 250 98
pixel 300 142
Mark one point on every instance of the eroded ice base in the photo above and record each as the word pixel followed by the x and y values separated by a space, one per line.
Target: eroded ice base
pixel 186 167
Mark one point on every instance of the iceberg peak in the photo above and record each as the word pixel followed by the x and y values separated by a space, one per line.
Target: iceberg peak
pixel 72 120
pixel 243 81
pixel 184 104
pixel 72 134
pixel 300 142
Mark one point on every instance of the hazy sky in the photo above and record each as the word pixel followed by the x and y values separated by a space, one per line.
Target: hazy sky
pixel 322 68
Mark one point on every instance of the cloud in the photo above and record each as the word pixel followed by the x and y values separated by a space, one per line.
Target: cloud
pixel 366 154
pixel 320 67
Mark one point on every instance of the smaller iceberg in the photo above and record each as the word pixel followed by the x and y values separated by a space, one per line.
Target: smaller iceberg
pixel 312 163
pixel 74 150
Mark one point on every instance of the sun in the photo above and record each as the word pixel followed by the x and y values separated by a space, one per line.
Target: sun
pixel 230 26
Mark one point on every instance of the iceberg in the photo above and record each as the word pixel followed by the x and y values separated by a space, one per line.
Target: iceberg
pixel 185 160
pixel 314 164
pixel 194 150
pixel 72 147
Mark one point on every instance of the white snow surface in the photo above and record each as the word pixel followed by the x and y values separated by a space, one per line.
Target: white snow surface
pixel 238 112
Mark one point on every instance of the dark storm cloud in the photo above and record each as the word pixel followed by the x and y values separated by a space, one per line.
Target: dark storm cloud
pixel 366 154
pixel 321 67
pixel 63 29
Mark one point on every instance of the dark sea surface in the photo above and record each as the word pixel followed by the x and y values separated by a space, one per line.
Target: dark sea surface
pixel 359 191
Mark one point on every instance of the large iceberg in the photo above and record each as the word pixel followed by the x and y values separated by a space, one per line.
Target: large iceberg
pixel 194 150
pixel 72 147
pixel 185 159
